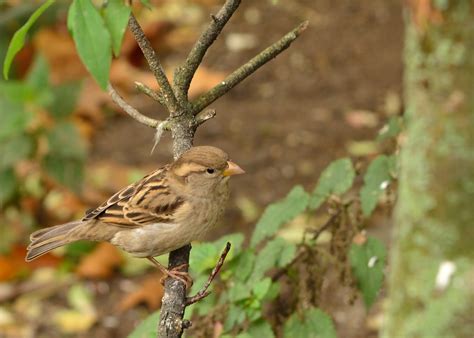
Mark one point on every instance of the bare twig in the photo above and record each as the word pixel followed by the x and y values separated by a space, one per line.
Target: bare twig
pixel 245 70
pixel 130 110
pixel 203 293
pixel 185 73
pixel 150 92
pixel 204 116
pixel 155 65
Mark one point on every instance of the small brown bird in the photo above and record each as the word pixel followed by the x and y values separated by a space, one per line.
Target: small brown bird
pixel 164 211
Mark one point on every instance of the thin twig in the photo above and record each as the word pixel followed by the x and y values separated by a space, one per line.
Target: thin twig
pixel 150 92
pixel 130 110
pixel 155 65
pixel 245 70
pixel 203 292
pixel 205 116
pixel 185 73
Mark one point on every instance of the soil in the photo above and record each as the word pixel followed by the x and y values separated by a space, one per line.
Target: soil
pixel 286 122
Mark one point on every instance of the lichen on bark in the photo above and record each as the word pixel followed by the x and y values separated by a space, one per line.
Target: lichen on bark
pixel 434 215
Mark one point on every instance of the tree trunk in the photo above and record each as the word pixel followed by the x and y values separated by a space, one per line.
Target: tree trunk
pixel 432 270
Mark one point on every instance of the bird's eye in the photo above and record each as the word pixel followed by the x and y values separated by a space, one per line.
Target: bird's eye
pixel 210 170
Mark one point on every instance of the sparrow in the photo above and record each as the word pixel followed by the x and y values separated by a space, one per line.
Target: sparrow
pixel 165 210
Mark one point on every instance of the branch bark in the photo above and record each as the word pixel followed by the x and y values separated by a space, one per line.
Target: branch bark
pixel 154 63
pixel 185 117
pixel 247 69
pixel 185 73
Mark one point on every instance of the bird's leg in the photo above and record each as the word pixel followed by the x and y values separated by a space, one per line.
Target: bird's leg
pixel 173 273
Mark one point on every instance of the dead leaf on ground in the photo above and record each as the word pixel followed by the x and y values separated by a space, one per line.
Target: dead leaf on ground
pixel 100 263
pixel 361 119
pixel 149 293
pixel 13 264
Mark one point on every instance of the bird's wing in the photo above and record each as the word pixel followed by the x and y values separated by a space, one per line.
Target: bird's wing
pixel 145 202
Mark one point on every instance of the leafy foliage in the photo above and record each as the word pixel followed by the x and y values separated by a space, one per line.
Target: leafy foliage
pixel 20 132
pixel 368 262
pixel 337 178
pixel 18 40
pixel 275 215
pixel 314 323
pixel 376 180
pixel 93 41
pixel 116 19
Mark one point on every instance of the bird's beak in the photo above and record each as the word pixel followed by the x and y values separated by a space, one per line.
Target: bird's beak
pixel 233 169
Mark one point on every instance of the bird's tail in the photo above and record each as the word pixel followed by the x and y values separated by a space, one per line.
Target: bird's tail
pixel 45 240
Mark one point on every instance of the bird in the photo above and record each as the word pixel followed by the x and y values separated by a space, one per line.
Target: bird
pixel 165 210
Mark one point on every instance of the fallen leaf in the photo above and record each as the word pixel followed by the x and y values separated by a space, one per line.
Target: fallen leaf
pixel 100 263
pixel 361 118
pixel 74 321
pixel 13 264
pixel 150 293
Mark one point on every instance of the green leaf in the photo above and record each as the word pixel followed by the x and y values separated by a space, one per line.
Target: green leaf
pixel 314 323
pixel 336 179
pixel 18 40
pixel 242 265
pixel 368 263
pixel 15 149
pixel 272 255
pixel 287 254
pixel 238 292
pixel 66 171
pixel 17 92
pixel 146 3
pixel 64 99
pixel 8 185
pixel 275 215
pixel 235 316
pixel 376 180
pixel 38 76
pixel 261 288
pixel 92 39
pixel 65 141
pixel 147 328
pixel 261 329
pixel 116 15
pixel 204 256
pixel 13 119
pixel 391 129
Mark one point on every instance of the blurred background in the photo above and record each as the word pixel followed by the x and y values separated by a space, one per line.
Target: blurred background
pixel 65 147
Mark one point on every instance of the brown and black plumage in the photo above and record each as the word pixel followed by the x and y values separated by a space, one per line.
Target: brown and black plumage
pixel 165 210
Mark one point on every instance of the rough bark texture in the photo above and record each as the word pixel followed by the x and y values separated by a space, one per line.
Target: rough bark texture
pixel 432 271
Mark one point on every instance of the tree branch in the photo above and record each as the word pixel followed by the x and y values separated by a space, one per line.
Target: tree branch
pixel 155 65
pixel 171 324
pixel 244 71
pixel 203 293
pixel 135 114
pixel 185 73
pixel 150 93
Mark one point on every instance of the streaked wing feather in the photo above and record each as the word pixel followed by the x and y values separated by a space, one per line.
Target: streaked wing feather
pixel 116 208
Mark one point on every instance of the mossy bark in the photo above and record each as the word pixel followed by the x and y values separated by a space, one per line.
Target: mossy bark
pixel 434 236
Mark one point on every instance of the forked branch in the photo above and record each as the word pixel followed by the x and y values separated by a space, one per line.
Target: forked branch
pixel 248 68
pixel 185 117
pixel 185 73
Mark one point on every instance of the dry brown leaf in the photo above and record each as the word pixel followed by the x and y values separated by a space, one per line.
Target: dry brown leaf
pixel 150 293
pixel 100 263
pixel 13 264
pixel 204 80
